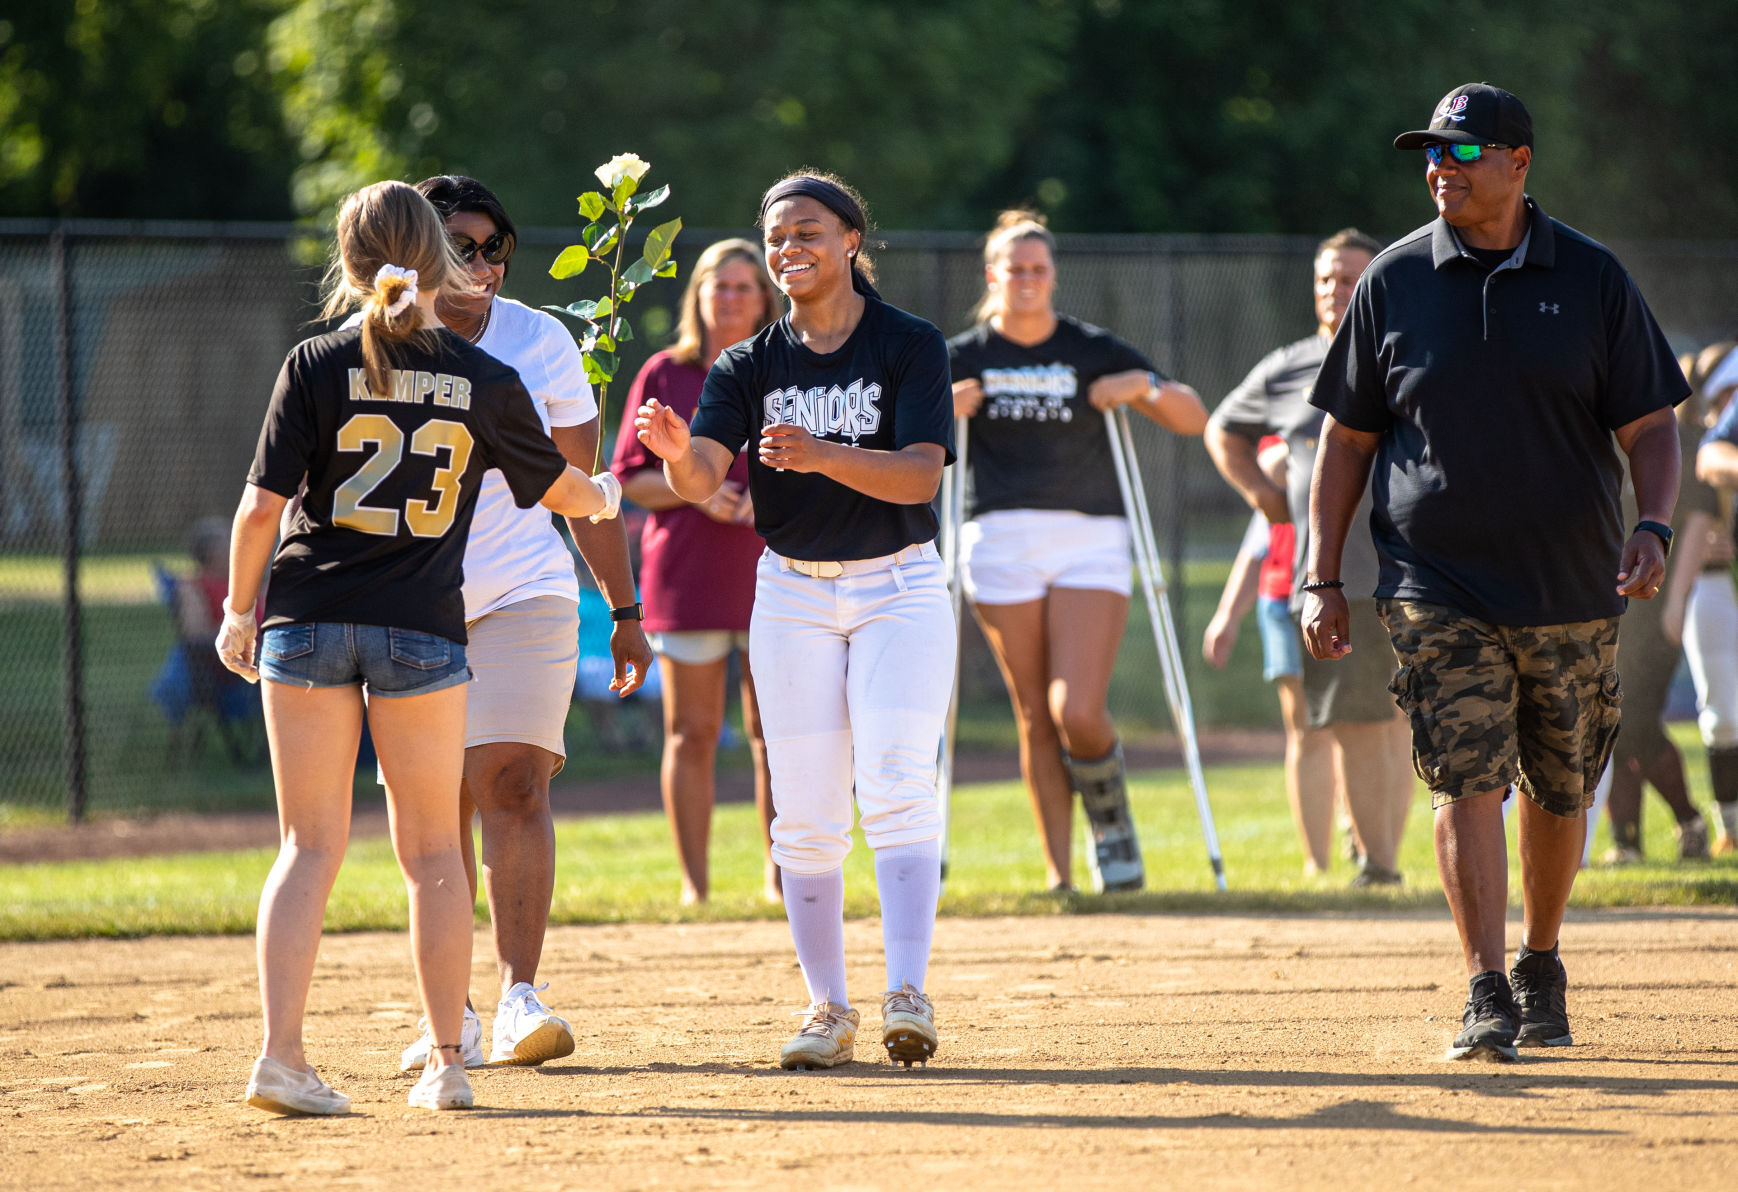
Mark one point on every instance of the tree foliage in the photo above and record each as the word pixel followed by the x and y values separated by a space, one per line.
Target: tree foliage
pixel 140 108
pixel 1116 115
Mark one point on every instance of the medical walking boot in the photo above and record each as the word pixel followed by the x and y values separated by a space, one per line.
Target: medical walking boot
pixel 1115 859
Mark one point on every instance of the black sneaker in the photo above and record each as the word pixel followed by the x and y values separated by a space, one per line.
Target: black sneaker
pixel 1490 1022
pixel 1541 989
pixel 1374 875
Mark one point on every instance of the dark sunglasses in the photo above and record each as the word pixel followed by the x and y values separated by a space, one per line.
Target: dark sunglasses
pixel 1462 154
pixel 496 249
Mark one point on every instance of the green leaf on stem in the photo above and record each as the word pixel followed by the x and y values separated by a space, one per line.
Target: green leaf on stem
pixel 584 309
pixel 592 372
pixel 606 344
pixel 623 332
pixel 624 191
pixel 651 198
pixel 637 274
pixel 606 362
pixel 602 308
pixel 668 270
pixel 591 204
pixel 658 242
pixel 573 259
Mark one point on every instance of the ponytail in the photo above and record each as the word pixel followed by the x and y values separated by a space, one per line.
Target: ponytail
pixel 391 243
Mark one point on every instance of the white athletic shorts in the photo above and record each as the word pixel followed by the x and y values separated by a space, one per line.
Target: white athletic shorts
pixel 1012 556
pixel 853 676
pixel 697 647
pixel 523 659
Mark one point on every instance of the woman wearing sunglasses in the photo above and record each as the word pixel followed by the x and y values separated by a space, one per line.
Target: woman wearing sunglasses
pixel 522 618
pixel 1045 556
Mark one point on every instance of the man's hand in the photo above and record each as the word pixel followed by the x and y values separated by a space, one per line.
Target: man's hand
pixel 1643 568
pixel 1327 624
pixel 633 657
pixel 1218 642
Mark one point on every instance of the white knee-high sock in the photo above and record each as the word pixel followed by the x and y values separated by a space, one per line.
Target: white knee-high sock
pixel 908 877
pixel 815 906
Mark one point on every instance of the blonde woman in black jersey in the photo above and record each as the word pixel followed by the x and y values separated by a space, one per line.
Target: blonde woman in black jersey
pixel 385 430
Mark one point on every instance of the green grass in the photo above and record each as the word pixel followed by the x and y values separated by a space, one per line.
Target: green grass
pixel 127 634
pixel 622 869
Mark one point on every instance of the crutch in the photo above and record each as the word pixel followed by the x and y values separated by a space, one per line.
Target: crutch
pixel 953 516
pixel 1134 503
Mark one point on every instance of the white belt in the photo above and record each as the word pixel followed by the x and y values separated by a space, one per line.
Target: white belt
pixel 829 569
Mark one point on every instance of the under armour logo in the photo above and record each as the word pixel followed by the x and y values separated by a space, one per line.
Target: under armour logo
pixel 1547 308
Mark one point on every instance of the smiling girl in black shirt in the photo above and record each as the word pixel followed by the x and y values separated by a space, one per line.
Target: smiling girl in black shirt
pixel 853 635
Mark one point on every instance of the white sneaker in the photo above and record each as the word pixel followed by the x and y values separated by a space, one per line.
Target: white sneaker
pixel 907 1026
pixel 415 1057
pixel 446 1087
pixel 276 1088
pixel 526 1032
pixel 828 1038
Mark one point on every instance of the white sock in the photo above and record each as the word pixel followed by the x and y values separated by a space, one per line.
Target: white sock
pixel 815 906
pixel 908 877
pixel 1729 818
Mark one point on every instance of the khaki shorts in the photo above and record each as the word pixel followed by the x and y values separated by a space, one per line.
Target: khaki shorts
pixel 1497 705
pixel 523 659
pixel 1356 689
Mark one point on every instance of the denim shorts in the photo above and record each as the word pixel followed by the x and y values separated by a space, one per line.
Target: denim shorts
pixel 389 662
pixel 1281 647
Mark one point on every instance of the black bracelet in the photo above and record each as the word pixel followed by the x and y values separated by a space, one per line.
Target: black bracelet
pixel 1321 585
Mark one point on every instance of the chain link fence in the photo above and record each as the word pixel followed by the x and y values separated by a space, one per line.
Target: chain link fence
pixel 136 361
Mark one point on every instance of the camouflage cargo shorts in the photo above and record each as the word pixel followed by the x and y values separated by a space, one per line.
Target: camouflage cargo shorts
pixel 1535 706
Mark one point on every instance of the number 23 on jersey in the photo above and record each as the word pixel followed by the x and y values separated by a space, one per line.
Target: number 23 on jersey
pixel 425 519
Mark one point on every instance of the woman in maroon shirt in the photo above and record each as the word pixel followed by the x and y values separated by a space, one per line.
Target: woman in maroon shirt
pixel 697 573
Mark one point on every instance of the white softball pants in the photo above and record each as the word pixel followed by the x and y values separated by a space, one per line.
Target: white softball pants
pixel 853 676
pixel 1711 646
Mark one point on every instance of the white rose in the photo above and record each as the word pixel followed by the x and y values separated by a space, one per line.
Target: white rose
pixel 622 166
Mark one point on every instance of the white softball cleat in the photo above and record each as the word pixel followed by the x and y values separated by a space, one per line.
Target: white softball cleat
pixel 277 1088
pixel 828 1038
pixel 526 1032
pixel 443 1088
pixel 415 1057
pixel 907 1026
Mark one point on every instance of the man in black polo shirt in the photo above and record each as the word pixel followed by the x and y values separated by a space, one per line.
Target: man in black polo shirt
pixel 1486 364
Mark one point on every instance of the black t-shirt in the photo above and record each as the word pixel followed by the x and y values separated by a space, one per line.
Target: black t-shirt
pixel 379 537
pixel 1495 393
pixel 1036 442
pixel 1274 399
pixel 885 388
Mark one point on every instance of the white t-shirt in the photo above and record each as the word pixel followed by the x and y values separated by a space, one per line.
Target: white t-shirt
pixel 516 554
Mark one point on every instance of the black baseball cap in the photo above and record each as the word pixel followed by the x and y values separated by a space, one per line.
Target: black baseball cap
pixel 1474 114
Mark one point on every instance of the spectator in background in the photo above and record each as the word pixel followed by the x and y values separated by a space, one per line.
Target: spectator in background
pixel 1045 554
pixel 1261 578
pixel 1647 657
pixel 1717 465
pixel 698 560
pixel 1354 705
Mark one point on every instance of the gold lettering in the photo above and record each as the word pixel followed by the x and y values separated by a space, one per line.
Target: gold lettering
pixel 461 393
pixel 403 385
pixel 359 385
pixel 443 394
pixel 425 384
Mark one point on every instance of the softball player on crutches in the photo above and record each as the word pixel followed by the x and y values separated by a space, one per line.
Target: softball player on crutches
pixel 1045 554
pixel 852 634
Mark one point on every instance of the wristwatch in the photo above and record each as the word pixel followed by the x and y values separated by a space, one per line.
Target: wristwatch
pixel 629 612
pixel 1659 530
pixel 1152 386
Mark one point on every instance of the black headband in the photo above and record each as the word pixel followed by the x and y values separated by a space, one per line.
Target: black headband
pixel 829 196
pixel 833 199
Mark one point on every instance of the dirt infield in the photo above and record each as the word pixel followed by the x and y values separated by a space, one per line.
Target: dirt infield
pixel 1076 1052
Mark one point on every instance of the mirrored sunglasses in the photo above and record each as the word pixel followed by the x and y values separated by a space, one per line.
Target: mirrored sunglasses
pixel 1457 154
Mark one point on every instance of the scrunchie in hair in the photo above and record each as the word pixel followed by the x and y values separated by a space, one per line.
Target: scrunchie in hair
pixel 406 296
